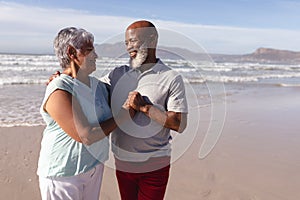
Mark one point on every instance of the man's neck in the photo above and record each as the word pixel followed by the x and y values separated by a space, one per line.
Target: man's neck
pixel 146 67
pixel 148 64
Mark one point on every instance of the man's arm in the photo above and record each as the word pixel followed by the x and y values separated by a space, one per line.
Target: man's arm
pixel 176 121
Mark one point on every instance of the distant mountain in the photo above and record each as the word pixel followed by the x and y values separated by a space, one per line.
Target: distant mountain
pixel 267 54
pixel 261 55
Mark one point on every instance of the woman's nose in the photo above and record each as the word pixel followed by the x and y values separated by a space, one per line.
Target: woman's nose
pixel 95 54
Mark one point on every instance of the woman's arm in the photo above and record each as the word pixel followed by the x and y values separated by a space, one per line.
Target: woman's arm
pixel 66 111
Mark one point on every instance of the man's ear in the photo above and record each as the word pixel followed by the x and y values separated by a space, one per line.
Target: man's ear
pixel 152 41
pixel 72 52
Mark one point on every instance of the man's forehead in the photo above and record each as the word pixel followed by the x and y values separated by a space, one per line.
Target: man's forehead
pixel 140 31
pixel 133 33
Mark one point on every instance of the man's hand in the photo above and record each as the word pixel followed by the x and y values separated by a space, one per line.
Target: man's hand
pixel 135 101
pixel 173 120
pixel 53 76
pixel 129 109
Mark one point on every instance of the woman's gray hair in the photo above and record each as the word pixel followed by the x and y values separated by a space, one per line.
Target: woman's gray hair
pixel 70 36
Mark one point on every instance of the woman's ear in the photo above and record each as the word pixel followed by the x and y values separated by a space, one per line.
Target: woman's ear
pixel 71 52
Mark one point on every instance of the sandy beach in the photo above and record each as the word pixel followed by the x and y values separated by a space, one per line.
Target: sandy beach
pixel 256 157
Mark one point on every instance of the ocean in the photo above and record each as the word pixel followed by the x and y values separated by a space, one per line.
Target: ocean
pixel 23 81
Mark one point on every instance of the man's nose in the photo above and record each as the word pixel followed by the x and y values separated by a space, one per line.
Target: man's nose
pixel 129 46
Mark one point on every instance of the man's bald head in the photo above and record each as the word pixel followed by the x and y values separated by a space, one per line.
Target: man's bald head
pixel 140 24
pixel 146 29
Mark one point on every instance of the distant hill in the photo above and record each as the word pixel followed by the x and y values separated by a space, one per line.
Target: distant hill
pixel 261 55
pixel 284 56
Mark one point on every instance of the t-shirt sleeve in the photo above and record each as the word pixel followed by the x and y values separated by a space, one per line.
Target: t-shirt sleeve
pixel 58 84
pixel 177 98
pixel 113 76
pixel 106 79
pixel 62 84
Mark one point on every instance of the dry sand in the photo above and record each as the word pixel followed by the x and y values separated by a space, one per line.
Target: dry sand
pixel 256 157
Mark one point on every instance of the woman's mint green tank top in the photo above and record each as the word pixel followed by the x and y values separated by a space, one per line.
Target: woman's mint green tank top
pixel 61 155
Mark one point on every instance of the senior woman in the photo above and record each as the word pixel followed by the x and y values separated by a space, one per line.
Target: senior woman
pixel 78 120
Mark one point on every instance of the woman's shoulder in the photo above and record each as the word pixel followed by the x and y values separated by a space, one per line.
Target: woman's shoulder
pixel 63 82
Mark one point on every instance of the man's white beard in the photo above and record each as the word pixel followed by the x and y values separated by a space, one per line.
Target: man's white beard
pixel 140 58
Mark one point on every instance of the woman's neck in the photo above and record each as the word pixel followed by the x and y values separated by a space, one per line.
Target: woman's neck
pixel 84 79
pixel 72 70
pixel 68 72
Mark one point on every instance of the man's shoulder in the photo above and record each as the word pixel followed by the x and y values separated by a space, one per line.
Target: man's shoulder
pixel 161 66
pixel 166 70
pixel 119 71
pixel 122 68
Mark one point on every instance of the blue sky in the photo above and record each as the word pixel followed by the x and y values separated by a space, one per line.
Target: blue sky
pixel 231 27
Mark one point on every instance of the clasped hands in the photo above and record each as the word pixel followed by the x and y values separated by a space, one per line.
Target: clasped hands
pixel 136 102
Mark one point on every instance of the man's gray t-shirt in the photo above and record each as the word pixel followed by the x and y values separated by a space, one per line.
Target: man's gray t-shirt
pixel 143 138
